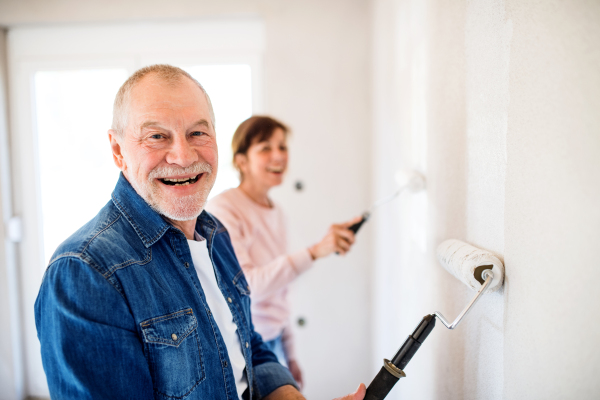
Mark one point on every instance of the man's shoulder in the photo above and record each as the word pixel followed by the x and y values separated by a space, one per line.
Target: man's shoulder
pixel 106 241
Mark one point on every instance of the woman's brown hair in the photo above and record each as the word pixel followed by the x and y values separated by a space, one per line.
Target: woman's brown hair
pixel 255 129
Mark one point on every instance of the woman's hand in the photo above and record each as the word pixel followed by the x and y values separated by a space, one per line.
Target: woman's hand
pixel 338 239
pixel 296 372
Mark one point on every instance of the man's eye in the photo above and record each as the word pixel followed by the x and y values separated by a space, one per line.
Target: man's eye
pixel 198 133
pixel 156 136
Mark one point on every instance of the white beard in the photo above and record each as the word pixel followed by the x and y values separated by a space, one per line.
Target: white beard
pixel 177 208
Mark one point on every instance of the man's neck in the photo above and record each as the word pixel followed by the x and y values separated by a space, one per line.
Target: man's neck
pixel 187 227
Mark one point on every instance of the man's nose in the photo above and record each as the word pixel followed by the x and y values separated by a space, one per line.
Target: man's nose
pixel 182 153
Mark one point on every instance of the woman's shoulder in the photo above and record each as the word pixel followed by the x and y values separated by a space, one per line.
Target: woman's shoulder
pixel 228 196
pixel 226 200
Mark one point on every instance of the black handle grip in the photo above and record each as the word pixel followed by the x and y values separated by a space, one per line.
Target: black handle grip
pixel 355 227
pixel 385 380
pixel 381 385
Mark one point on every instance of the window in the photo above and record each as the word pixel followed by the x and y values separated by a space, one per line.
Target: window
pixel 73 111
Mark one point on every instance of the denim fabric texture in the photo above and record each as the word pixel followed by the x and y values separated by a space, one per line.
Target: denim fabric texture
pixel 121 313
pixel 276 346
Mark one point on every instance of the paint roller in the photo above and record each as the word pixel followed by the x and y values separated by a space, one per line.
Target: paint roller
pixel 478 269
pixel 406 180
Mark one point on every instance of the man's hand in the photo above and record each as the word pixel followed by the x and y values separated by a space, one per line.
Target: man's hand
pixel 287 392
pixel 358 395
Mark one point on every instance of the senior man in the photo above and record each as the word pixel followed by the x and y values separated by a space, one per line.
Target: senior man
pixel 147 300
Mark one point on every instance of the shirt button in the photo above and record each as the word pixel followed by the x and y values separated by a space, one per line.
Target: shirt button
pixel 209 313
pixel 174 337
pixel 246 344
pixel 225 363
pixel 229 299
pixel 187 265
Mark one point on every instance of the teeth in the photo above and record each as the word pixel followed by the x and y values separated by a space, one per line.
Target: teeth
pixel 178 180
pixel 181 182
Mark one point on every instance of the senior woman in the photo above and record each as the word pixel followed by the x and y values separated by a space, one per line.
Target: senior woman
pixel 257 228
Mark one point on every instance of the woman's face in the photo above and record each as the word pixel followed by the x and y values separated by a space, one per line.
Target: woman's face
pixel 266 162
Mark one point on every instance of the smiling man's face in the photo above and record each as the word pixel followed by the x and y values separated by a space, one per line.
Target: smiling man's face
pixel 168 151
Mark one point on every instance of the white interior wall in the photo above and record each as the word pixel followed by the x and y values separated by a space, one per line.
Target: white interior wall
pixel 317 71
pixel 552 204
pixel 10 366
pixel 512 116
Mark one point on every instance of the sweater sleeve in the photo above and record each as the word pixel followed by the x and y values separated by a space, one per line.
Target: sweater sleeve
pixel 287 337
pixel 266 279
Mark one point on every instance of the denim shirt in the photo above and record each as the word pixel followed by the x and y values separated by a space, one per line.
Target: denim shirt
pixel 121 313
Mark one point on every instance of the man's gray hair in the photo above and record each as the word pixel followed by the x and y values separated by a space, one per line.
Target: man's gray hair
pixel 167 73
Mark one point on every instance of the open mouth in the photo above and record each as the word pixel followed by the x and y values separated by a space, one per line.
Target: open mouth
pixel 180 182
pixel 276 170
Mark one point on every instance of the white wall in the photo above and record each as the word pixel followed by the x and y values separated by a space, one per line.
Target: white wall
pixel 552 212
pixel 317 71
pixel 511 121
pixel 10 366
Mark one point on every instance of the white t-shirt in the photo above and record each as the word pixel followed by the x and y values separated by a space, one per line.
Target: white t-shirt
pixel 220 310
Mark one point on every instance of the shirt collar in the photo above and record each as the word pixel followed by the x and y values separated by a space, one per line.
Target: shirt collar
pixel 147 223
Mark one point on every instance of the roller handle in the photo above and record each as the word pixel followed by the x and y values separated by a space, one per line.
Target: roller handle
pixel 355 227
pixel 391 372
pixel 383 382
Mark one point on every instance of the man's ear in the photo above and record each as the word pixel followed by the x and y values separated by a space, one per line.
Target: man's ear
pixel 113 137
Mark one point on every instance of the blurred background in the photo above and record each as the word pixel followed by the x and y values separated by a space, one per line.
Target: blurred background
pixel 495 102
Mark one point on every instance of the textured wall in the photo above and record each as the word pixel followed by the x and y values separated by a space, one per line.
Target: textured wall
pixel 451 96
pixel 552 205
pixel 505 97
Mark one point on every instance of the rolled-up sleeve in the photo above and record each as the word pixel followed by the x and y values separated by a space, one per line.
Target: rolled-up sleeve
pixel 270 376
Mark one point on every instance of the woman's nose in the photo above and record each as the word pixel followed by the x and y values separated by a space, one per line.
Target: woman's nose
pixel 182 153
pixel 279 155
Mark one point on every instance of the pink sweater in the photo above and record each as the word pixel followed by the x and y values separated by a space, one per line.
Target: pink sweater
pixel 259 238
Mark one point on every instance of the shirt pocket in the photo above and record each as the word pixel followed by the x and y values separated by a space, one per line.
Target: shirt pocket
pixel 174 353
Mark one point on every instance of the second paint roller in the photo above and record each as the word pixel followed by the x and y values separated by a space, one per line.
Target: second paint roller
pixel 478 269
pixel 406 180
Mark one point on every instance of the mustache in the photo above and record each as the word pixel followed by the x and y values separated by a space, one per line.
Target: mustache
pixel 167 171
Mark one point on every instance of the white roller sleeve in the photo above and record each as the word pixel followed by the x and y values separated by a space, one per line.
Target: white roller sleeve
pixel 461 259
